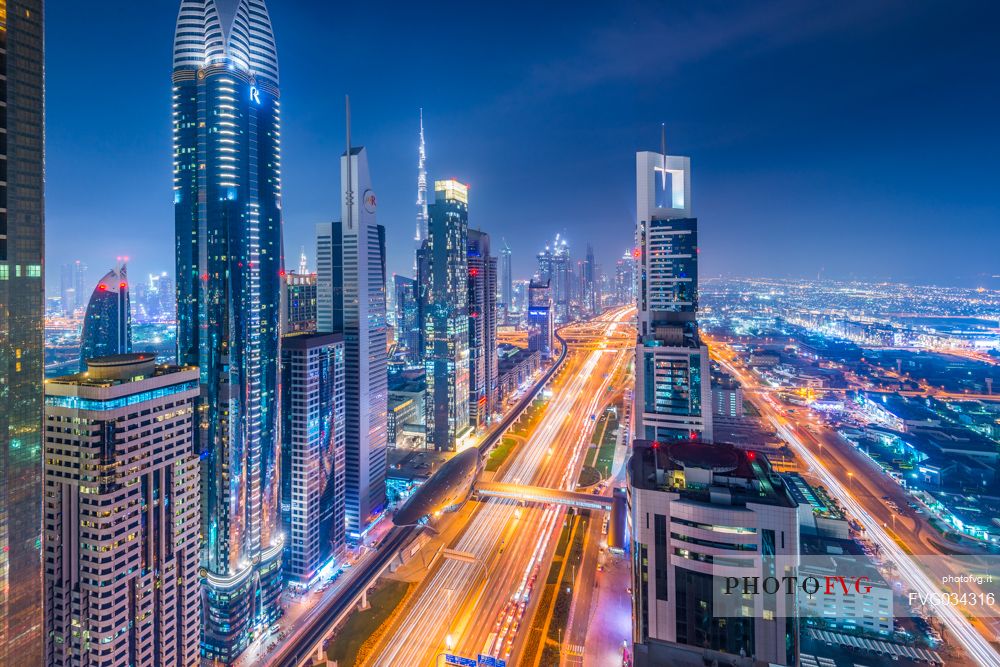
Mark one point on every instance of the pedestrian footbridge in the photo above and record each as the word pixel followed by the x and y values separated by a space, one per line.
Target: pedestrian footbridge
pixel 537 494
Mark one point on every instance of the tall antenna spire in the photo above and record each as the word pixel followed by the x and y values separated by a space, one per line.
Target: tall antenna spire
pixel 421 185
pixel 350 179
pixel 303 265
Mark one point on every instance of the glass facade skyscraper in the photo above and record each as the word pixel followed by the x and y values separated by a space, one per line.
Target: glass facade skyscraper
pixel 22 303
pixel 446 323
pixel 107 326
pixel 227 196
pixel 672 391
pixel 483 360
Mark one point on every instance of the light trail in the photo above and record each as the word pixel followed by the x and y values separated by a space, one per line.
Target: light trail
pixel 977 647
pixel 430 616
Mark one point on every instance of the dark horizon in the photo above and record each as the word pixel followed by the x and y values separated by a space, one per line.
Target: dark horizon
pixel 847 140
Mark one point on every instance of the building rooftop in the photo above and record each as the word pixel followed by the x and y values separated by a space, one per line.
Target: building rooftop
pixel 118 369
pixel 719 473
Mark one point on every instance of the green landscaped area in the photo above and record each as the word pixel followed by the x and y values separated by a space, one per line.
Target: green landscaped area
pixel 605 437
pixel 362 624
pixel 500 454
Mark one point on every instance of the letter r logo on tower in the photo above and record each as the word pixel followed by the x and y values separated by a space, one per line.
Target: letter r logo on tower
pixel 254 95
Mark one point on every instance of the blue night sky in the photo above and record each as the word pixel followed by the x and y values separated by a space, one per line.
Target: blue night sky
pixel 859 138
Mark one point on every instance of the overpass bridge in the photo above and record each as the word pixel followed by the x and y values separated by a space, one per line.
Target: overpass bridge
pixel 538 494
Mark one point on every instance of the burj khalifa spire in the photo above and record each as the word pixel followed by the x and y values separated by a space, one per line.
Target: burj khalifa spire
pixel 421 187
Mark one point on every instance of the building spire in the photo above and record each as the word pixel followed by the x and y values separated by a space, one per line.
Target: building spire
pixel 421 186
pixel 663 152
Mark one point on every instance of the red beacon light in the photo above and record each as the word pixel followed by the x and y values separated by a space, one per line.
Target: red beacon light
pixel 102 287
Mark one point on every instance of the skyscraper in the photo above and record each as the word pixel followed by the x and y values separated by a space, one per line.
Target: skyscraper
pixel 312 452
pixel 446 313
pixel 482 329
pixel 589 283
pixel 22 309
pixel 298 302
pixel 553 266
pixel 350 263
pixel 407 318
pixel 107 326
pixel 122 515
pixel 72 283
pixel 540 320
pixel 673 388
pixel 506 283
pixel 227 201
pixel 422 218
pixel 625 278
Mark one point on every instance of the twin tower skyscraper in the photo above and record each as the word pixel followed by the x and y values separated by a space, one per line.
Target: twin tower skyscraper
pixel 229 262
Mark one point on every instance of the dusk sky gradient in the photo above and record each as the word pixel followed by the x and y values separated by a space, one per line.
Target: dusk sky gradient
pixel 856 138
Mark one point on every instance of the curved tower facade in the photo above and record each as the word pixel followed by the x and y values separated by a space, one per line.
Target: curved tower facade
pixel 227 201
pixel 107 326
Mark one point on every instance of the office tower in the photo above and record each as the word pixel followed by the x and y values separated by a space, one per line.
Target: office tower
pixel 227 202
pixel 107 326
pixel 519 298
pixel 589 284
pixel 298 303
pixel 350 264
pixel 422 215
pixel 482 329
pixel 672 386
pixel 160 297
pixel 407 318
pixel 625 278
pixel 540 318
pixel 506 284
pixel 553 266
pixel 22 311
pixel 312 452
pixel 72 283
pixel 700 513
pixel 446 313
pixel 122 515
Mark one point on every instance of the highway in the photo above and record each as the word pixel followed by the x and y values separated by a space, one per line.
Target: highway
pixel 858 485
pixel 308 630
pixel 479 605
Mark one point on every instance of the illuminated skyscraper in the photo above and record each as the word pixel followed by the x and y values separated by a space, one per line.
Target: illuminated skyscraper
pixel 673 392
pixel 227 195
pixel 312 452
pixel 421 187
pixel 107 326
pixel 446 316
pixel 350 265
pixel 22 308
pixel 540 321
pixel 482 329
pixel 72 286
pixel 553 266
pixel 506 284
pixel 122 515
pixel 407 318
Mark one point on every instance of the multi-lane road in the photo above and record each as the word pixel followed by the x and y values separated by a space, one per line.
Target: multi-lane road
pixel 484 604
pixel 861 487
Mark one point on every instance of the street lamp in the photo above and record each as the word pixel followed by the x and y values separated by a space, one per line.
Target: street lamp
pixel 850 476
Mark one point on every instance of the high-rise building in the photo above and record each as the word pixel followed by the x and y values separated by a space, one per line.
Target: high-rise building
pixel 625 279
pixel 122 515
pixel 350 263
pixel 227 202
pixel 422 215
pixel 107 326
pixel 519 299
pixel 482 329
pixel 540 319
pixel 312 452
pixel 506 285
pixel 672 388
pixel 72 286
pixel 553 266
pixel 407 318
pixel 700 513
pixel 446 313
pixel 298 303
pixel 589 303
pixel 22 312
